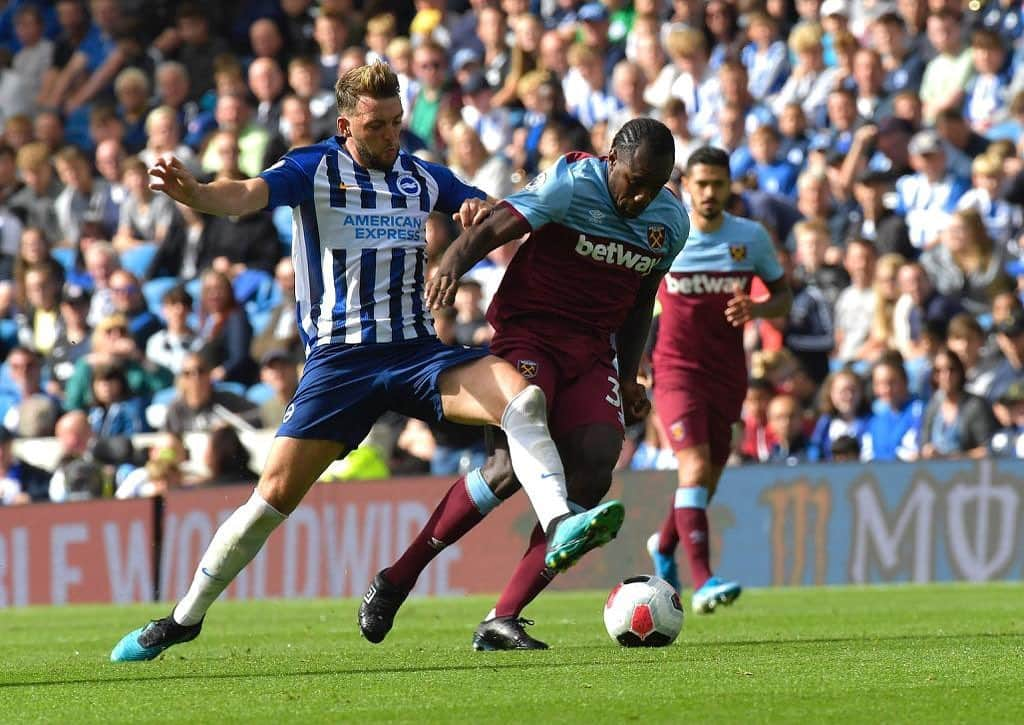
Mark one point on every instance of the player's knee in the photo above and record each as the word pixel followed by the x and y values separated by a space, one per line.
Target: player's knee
pixel 528 404
pixel 500 477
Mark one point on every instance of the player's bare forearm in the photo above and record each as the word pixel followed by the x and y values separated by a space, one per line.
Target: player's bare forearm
pixel 778 303
pixel 502 226
pixel 226 197
pixel 631 339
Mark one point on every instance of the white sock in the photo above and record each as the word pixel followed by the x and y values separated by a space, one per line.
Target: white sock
pixel 534 456
pixel 234 545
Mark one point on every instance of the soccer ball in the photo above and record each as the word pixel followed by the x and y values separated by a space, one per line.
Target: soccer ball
pixel 643 611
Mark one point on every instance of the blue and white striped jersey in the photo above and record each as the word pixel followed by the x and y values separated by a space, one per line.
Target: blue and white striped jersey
pixel 358 241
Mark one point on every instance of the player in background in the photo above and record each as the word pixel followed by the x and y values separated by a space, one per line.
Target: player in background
pixel 360 205
pixel 602 235
pixel 700 370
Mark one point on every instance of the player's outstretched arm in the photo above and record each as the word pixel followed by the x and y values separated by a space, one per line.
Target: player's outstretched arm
pixel 630 341
pixel 222 197
pixel 502 226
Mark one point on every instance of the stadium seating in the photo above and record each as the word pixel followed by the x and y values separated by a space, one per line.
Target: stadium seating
pixel 155 289
pixel 138 259
pixel 259 393
pixel 66 256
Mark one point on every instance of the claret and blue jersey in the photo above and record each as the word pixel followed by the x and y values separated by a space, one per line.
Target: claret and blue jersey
pixel 359 246
pixel 583 263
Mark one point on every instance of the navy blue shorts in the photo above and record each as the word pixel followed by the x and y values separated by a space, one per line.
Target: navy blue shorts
pixel 344 389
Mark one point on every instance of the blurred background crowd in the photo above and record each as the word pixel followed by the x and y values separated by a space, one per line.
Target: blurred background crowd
pixel 876 141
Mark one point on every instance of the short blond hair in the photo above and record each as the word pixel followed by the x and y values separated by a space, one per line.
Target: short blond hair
pixel 383 23
pixel 131 76
pixel 581 53
pixel 685 41
pixel 32 156
pixel 375 80
pixel 987 165
pixel 160 112
pixel 531 81
pixel 805 38
pixel 811 226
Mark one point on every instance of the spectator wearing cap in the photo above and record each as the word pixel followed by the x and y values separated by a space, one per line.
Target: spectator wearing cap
pixel 967 263
pixel 902 64
pixel 82 196
pixel 111 343
pixel 1008 441
pixel 20 482
pixel 765 56
pixel 593 23
pixel 810 82
pixel 947 74
pixel 873 220
pixel 928 196
pixel 1003 219
pixel 33 203
pixel 988 92
pixel 893 428
pixel 871 101
pixel 492 124
pixel 199 406
pixel 956 424
pixel 72 341
pixel 30 411
pixel 465 63
pixel 1010 339
pixel 279 372
pixel 114 410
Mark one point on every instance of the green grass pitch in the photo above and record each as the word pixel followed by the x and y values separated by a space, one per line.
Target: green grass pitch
pixel 952 653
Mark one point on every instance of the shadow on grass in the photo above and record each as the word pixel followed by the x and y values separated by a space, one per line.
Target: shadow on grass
pixel 488 662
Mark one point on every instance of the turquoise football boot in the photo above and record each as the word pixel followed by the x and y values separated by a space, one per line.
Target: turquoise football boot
pixel 573 535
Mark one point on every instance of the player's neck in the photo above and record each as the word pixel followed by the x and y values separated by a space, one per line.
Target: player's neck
pixel 708 225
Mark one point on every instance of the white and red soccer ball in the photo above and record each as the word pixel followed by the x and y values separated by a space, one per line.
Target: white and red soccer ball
pixel 643 611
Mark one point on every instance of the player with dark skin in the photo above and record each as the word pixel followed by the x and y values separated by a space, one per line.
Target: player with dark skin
pixel 590 453
pixel 564 333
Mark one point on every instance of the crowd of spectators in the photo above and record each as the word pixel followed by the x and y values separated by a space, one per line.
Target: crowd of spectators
pixel 877 141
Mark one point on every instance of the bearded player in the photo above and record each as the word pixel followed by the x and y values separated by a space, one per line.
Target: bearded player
pixel 700 371
pixel 602 235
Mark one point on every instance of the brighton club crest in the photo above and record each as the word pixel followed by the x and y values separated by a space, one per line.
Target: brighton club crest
pixel 738 252
pixel 655 236
pixel 527 368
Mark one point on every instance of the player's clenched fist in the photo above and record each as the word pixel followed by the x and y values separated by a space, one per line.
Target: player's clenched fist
pixel 473 211
pixel 738 309
pixel 440 289
pixel 635 405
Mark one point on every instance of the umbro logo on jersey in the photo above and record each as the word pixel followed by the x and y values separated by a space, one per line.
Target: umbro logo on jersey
pixel 596 215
